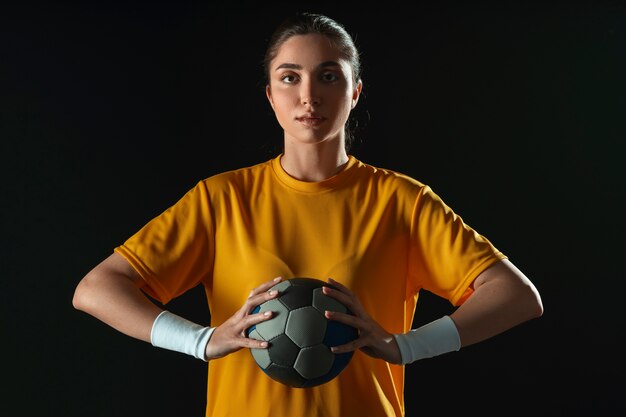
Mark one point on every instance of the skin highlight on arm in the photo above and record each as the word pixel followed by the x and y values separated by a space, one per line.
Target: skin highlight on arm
pixel 503 298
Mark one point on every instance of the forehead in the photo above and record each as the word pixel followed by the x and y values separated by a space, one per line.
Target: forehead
pixel 308 51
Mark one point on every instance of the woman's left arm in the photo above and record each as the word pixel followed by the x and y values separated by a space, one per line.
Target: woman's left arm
pixel 503 298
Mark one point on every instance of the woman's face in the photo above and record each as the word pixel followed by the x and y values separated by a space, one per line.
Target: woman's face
pixel 311 89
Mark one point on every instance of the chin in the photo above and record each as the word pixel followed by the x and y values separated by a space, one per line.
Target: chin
pixel 311 138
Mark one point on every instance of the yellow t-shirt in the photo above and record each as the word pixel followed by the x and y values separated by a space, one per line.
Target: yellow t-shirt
pixel 379 232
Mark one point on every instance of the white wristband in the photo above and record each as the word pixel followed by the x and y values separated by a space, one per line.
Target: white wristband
pixel 432 339
pixel 173 332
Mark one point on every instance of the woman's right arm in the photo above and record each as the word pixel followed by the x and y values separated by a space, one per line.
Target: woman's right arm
pixel 111 292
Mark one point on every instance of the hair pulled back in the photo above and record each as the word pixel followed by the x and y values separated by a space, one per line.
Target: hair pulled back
pixel 311 23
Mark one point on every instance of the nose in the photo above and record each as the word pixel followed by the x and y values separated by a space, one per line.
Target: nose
pixel 308 93
pixel 311 101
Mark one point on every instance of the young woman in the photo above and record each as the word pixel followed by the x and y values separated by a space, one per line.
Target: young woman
pixel 314 211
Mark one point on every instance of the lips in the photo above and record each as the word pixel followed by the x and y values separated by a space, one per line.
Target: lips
pixel 310 119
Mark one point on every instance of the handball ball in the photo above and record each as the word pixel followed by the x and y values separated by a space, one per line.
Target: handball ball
pixel 300 336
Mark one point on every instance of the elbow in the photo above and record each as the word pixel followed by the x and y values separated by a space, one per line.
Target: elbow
pixel 81 299
pixel 534 303
pixel 538 307
pixel 78 298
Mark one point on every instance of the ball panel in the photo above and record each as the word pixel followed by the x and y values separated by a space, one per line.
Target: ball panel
pixel 261 356
pixel 339 334
pixel 282 351
pixel 275 326
pixel 306 326
pixel 281 286
pixel 286 375
pixel 253 334
pixel 314 361
pixel 323 302
pixel 296 296
pixel 309 283
pixel 340 363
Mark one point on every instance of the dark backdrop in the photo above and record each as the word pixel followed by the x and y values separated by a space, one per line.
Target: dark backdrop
pixel 514 114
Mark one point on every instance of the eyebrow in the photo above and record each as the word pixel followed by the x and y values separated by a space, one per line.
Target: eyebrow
pixel 324 64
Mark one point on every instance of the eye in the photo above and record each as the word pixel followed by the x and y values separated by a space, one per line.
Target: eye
pixel 288 78
pixel 329 77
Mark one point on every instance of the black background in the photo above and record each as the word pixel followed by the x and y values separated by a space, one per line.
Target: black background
pixel 513 112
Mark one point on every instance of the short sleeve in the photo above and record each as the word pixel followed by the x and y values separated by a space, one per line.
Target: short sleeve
pixel 174 251
pixel 446 254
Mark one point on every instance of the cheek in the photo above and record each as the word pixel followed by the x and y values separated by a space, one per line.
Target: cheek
pixel 345 104
pixel 281 107
pixel 282 101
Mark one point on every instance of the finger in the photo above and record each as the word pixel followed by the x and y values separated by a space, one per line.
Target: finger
pixel 253 319
pixel 265 286
pixel 255 300
pixel 340 286
pixel 346 299
pixel 253 343
pixel 348 319
pixel 348 347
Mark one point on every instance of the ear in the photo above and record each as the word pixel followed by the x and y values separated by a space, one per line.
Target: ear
pixel 356 93
pixel 268 94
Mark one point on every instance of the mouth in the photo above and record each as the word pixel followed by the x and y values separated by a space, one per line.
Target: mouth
pixel 310 120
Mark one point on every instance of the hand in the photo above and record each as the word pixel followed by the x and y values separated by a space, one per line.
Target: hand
pixel 230 336
pixel 373 339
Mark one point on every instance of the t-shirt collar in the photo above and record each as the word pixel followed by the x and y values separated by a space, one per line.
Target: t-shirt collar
pixel 334 182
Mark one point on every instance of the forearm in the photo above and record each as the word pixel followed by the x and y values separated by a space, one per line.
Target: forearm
pixel 503 298
pixel 112 297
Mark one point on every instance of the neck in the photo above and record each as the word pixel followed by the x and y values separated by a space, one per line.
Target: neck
pixel 313 163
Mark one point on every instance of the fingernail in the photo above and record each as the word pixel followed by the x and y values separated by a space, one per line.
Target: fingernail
pixel 267 313
pixel 278 278
pixel 264 344
pixel 273 292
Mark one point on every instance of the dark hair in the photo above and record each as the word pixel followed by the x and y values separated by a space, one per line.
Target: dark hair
pixel 308 23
